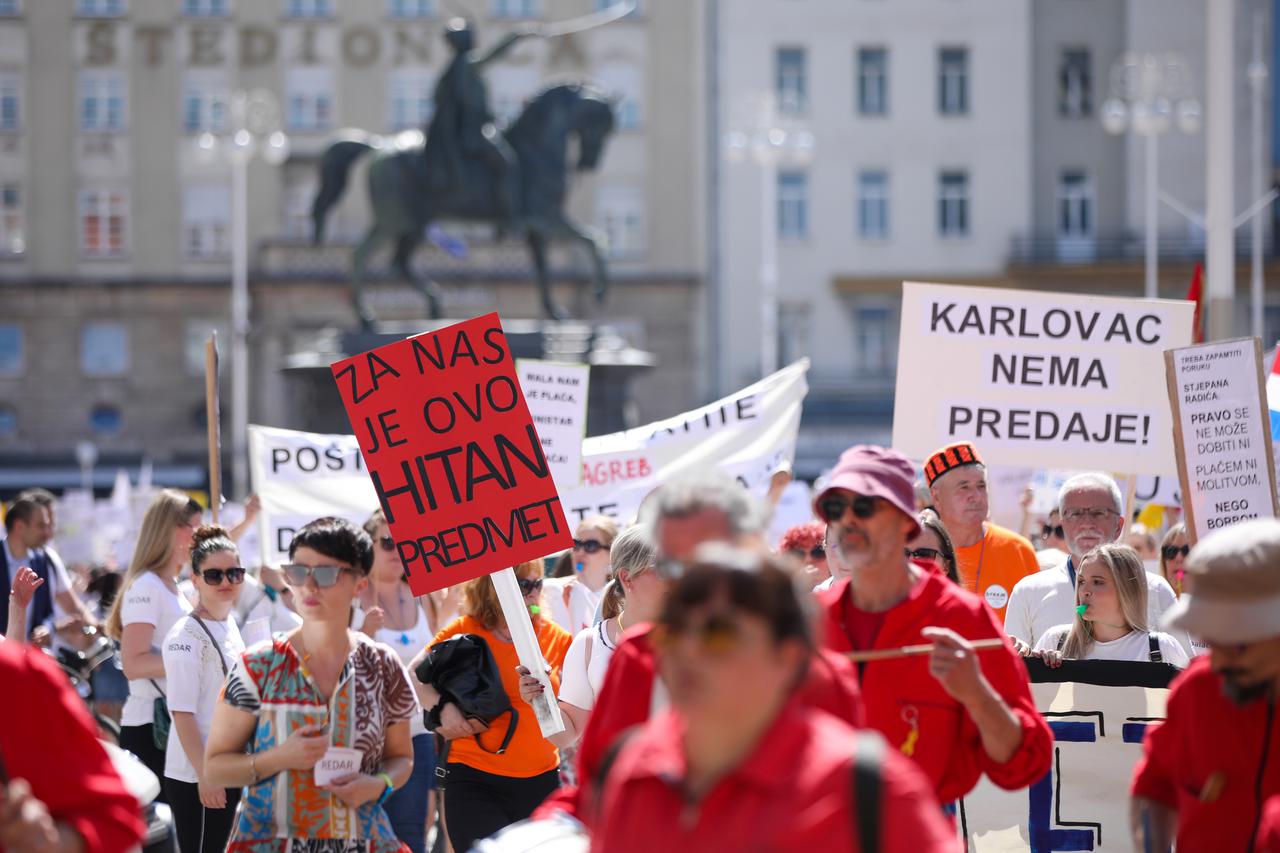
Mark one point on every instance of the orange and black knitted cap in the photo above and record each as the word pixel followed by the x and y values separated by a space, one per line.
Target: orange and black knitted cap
pixel 950 457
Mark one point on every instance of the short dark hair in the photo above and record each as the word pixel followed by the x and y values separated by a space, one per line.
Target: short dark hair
pixel 336 538
pixel 22 509
pixel 929 521
pixel 44 497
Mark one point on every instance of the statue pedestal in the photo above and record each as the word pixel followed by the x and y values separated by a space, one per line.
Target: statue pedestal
pixel 314 404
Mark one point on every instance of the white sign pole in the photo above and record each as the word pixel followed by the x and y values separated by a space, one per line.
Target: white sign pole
pixel 545 707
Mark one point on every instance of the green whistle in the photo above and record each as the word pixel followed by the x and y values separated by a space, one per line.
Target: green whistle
pixel 535 609
pixel 1081 608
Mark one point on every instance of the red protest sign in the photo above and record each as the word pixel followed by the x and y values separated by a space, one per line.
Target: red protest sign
pixel 453 454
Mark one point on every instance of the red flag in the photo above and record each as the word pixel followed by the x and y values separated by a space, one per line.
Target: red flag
pixel 1197 296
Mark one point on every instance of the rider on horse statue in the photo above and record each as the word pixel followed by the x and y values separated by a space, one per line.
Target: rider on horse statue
pixel 462 128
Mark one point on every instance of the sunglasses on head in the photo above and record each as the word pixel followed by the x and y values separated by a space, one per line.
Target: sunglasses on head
pixel 296 574
pixel 833 507
pixel 529 586
pixel 716 634
pixel 213 577
pixel 1171 551
pixel 815 553
pixel 590 546
pixel 387 543
pixel 1047 531
pixel 924 554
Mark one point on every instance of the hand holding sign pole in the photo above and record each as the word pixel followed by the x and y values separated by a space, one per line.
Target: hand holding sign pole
pixel 456 463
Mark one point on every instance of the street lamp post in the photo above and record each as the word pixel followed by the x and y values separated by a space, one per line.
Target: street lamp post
pixel 1257 74
pixel 1149 93
pixel 254 130
pixel 770 141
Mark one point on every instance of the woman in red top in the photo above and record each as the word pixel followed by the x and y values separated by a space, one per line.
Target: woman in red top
pixel 484 791
pixel 738 762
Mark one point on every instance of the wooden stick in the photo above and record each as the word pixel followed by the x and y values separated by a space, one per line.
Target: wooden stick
pixel 1131 491
pixel 213 423
pixel 914 651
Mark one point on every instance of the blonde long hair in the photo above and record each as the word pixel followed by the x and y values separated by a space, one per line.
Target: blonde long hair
pixel 1130 578
pixel 154 549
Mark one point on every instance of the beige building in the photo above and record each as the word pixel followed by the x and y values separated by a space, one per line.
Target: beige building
pixel 116 236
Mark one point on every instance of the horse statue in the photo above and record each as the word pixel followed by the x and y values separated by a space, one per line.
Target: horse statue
pixel 405 203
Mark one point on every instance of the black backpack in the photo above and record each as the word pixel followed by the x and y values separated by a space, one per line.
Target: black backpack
pixel 463 671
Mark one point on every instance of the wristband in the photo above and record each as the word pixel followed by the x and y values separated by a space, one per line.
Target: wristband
pixel 391 787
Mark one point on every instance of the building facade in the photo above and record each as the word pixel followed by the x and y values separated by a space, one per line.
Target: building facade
pixel 116 232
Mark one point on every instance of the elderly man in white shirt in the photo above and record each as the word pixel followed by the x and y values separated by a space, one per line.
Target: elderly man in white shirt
pixel 1092 514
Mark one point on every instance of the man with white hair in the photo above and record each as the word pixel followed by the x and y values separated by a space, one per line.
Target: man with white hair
pixel 1092 515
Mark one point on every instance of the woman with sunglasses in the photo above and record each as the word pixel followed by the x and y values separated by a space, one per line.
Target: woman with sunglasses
pixel 738 761
pixel 804 543
pixel 933 547
pixel 485 791
pixel 146 607
pixel 324 712
pixel 573 600
pixel 395 617
pixel 1174 549
pixel 197 653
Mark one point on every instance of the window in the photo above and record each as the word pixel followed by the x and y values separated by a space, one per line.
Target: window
pixel 196 333
pixel 10 100
pixel 1075 204
pixel 102 101
pixel 105 420
pixel 8 420
pixel 308 8
pixel 953 81
pixel 790 85
pixel 299 192
pixel 206 222
pixel 103 223
pixel 793 332
pixel 308 98
pixel 206 8
pixel 411 102
pixel 513 8
pixel 104 349
pixel 873 81
pixel 793 205
pixel 626 82
pixel 873 205
pixel 1075 85
pixel 875 340
pixel 953 204
pixel 620 214
pixel 205 95
pixel 509 87
pixel 100 8
pixel 10 8
pixel 411 9
pixel 13 221
pixel 11 360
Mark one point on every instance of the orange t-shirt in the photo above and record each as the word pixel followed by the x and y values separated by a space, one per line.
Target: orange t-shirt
pixel 994 564
pixel 529 753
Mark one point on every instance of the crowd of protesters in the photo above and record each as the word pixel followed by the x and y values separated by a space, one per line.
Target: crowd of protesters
pixel 718 691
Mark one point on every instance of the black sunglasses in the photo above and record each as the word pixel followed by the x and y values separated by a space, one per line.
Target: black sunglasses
pixel 1047 531
pixel 833 507
pixel 529 585
pixel 1171 551
pixel 296 574
pixel 387 543
pixel 924 554
pixel 213 577
pixel 589 545
pixel 815 553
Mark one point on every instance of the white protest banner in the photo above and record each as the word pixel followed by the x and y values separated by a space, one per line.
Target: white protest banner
pixel 1040 380
pixel 300 475
pixel 557 398
pixel 1223 426
pixel 1083 802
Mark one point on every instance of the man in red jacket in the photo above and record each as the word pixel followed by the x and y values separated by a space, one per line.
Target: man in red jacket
pixel 59 792
pixel 958 712
pixel 1206 772
pixel 705 506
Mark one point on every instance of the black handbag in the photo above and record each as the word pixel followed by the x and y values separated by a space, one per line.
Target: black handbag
pixel 463 671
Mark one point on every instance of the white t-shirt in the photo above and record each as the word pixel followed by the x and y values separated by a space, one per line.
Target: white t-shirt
pixel 1133 646
pixel 407 644
pixel 1046 599
pixel 148 600
pixel 584 666
pixel 194 680
pixel 582 603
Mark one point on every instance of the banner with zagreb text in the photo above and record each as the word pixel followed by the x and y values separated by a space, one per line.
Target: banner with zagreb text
pixel 300 475
pixel 1035 379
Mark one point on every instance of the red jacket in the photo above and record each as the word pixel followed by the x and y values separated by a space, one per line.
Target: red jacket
pixel 946 743
pixel 1214 761
pixel 793 792
pixel 626 697
pixel 48 738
